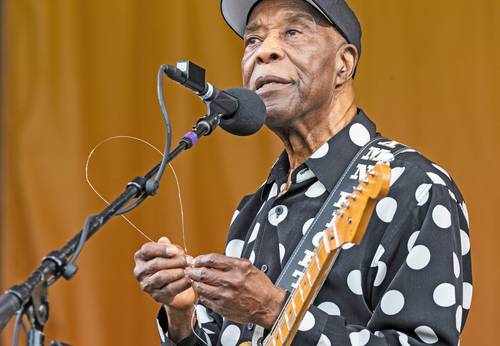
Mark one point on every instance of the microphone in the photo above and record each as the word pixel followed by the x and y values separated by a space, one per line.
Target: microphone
pixel 241 110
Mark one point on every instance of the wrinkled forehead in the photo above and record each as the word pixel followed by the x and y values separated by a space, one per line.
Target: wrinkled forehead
pixel 286 11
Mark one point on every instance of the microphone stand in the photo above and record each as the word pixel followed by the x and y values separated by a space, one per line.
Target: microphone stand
pixel 31 296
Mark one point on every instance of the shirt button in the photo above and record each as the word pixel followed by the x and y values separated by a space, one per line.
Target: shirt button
pixel 250 326
pixel 264 268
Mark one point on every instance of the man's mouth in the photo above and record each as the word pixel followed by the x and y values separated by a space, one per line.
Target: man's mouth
pixel 270 82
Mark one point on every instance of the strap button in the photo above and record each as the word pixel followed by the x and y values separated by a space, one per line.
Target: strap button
pixel 264 268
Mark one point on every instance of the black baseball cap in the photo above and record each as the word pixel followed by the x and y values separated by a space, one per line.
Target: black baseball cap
pixel 337 12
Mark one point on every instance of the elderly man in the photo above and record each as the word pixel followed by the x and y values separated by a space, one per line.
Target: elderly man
pixel 409 280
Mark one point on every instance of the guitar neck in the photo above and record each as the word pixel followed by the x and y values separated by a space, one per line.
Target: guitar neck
pixel 302 297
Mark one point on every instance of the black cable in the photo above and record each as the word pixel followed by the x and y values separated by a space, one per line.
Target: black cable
pixel 132 206
pixel 17 323
pixel 83 237
pixel 166 119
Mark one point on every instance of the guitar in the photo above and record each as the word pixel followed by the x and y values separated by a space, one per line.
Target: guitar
pixel 348 225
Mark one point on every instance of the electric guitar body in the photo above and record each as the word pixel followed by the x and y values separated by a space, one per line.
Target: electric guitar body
pixel 348 225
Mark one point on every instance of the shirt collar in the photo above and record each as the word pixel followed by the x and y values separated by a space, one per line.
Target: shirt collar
pixel 331 159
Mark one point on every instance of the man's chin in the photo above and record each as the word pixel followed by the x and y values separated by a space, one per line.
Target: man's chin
pixel 279 115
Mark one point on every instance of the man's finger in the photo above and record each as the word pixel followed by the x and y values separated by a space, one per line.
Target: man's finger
pixel 152 250
pixel 163 277
pixel 166 294
pixel 205 291
pixel 159 263
pixel 209 276
pixel 216 261
pixel 164 240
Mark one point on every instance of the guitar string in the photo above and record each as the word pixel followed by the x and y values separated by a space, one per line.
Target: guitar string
pixel 87 178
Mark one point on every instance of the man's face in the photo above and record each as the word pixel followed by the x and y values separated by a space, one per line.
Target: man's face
pixel 289 59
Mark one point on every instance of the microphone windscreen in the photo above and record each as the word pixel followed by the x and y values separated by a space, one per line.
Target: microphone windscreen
pixel 250 115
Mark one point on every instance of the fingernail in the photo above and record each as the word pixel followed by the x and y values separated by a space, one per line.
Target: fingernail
pixel 171 250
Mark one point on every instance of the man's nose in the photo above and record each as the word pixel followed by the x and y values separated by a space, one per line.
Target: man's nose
pixel 270 50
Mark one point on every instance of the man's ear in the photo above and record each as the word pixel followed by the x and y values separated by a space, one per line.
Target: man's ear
pixel 346 60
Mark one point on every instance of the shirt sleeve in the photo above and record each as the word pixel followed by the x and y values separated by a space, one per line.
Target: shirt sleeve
pixel 426 290
pixel 205 332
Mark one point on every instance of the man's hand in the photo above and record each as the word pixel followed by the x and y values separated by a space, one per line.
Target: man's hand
pixel 236 289
pixel 159 268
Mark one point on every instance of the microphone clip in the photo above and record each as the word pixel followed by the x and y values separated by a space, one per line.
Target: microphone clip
pixel 192 76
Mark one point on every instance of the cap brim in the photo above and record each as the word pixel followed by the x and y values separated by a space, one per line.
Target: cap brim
pixel 236 12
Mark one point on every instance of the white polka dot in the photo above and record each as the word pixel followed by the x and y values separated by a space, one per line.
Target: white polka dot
pixel 282 252
pixel 235 215
pixel 322 151
pixel 317 237
pixel 419 257
pixel 396 173
pixel 230 336
pixel 324 341
pixel 359 134
pixel 458 318
pixel 315 190
pixel 463 206
pixel 234 248
pixel 444 295
pixel 252 257
pixel 330 308
pixel 347 246
pixel 273 192
pixel 392 302
pixel 426 334
pixel 464 242
pixel 255 232
pixel 378 333
pixel 403 339
pixel 303 175
pixel 386 208
pixel 436 179
pixel 274 217
pixel 379 278
pixel 441 170
pixel 441 216
pixel 422 194
pixel 360 338
pixel 412 239
pixel 306 225
pixel 456 265
pixel 202 314
pixel 354 282
pixel 307 323
pixel 380 251
pixel 467 295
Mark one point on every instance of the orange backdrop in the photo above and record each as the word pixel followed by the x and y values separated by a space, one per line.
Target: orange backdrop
pixel 76 72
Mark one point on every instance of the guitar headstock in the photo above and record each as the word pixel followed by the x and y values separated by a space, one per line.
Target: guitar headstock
pixel 350 220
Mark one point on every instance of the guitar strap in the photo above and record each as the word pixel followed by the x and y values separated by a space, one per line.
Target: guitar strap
pixel 379 149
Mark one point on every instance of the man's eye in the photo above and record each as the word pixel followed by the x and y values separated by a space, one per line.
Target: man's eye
pixel 251 40
pixel 292 32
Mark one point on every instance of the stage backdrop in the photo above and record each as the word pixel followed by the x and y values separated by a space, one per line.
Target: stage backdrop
pixel 77 72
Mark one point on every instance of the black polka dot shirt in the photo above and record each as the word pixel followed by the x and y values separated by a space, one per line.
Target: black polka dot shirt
pixel 407 283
